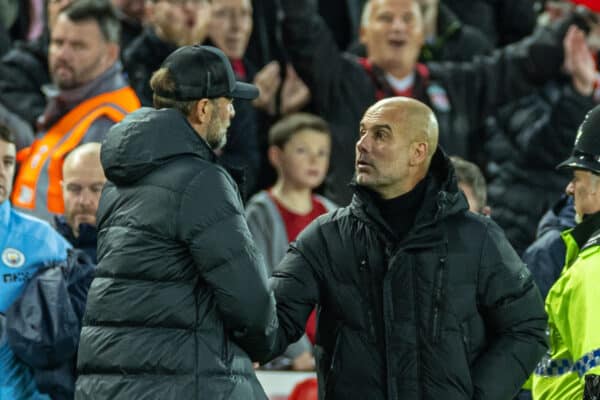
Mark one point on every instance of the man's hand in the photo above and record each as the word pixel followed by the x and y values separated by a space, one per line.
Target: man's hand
pixel 267 80
pixel 579 62
pixel 294 93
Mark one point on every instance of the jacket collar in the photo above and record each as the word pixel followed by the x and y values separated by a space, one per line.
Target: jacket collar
pixel 586 230
pixel 87 233
pixel 442 199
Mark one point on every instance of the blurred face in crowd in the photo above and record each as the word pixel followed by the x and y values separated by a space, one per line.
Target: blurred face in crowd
pixel 54 8
pixel 585 189
pixel 393 34
pixel 304 159
pixel 230 26
pixel 222 111
pixel 8 156
pixel 392 151
pixel 83 179
pixel 78 52
pixel 180 22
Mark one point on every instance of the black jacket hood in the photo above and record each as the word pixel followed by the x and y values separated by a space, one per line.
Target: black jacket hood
pixel 147 139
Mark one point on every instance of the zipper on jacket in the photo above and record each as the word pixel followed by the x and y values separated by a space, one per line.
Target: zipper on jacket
pixel 437 300
pixel 415 279
pixel 370 301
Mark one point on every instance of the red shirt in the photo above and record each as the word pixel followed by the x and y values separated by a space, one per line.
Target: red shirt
pixel 294 223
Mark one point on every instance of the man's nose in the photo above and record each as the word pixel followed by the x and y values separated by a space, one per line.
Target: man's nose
pixel 363 143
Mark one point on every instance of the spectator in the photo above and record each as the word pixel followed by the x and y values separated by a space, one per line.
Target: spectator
pixel 461 94
pixel 88 96
pixel 545 257
pixel 24 72
pixel 299 150
pixel 180 302
pixel 528 137
pixel 574 355
pixel 502 21
pixel 169 24
pixel 410 306
pixel 83 179
pixel 229 29
pixel 27 243
pixel 472 183
pixel 446 37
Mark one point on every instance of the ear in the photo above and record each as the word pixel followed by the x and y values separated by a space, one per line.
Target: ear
pixel 274 155
pixel 418 153
pixel 199 114
pixel 362 35
pixel 112 52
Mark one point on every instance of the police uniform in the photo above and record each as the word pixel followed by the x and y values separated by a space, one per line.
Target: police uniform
pixel 573 302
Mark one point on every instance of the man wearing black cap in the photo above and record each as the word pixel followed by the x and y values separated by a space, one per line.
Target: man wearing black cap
pixel 573 301
pixel 180 303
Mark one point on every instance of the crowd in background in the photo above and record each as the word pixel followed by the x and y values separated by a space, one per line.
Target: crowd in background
pixel 509 81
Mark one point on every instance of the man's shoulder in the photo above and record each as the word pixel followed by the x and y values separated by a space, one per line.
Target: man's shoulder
pixel 30 225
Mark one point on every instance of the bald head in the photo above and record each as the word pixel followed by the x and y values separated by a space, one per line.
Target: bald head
pixel 85 155
pixel 83 179
pixel 398 137
pixel 412 118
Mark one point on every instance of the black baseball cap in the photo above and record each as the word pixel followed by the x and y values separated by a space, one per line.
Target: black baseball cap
pixel 203 72
pixel 586 150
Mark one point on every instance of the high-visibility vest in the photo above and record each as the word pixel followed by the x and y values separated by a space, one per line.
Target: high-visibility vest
pixel 40 165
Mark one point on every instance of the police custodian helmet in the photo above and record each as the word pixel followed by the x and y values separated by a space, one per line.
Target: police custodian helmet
pixel 586 151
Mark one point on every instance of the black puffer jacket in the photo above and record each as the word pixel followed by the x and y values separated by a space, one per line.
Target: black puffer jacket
pixel 449 312
pixel 180 303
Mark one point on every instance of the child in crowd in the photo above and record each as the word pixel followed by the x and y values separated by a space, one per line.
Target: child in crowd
pixel 299 148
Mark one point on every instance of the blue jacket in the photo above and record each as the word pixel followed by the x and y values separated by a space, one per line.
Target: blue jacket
pixel 25 244
pixel 545 257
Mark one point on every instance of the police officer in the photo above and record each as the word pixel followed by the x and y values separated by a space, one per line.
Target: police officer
pixel 573 301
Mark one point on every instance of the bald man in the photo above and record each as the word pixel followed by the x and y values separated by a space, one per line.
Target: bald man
pixel 83 180
pixel 417 298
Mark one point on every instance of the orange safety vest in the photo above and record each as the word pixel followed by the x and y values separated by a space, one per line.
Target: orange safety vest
pixel 60 139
